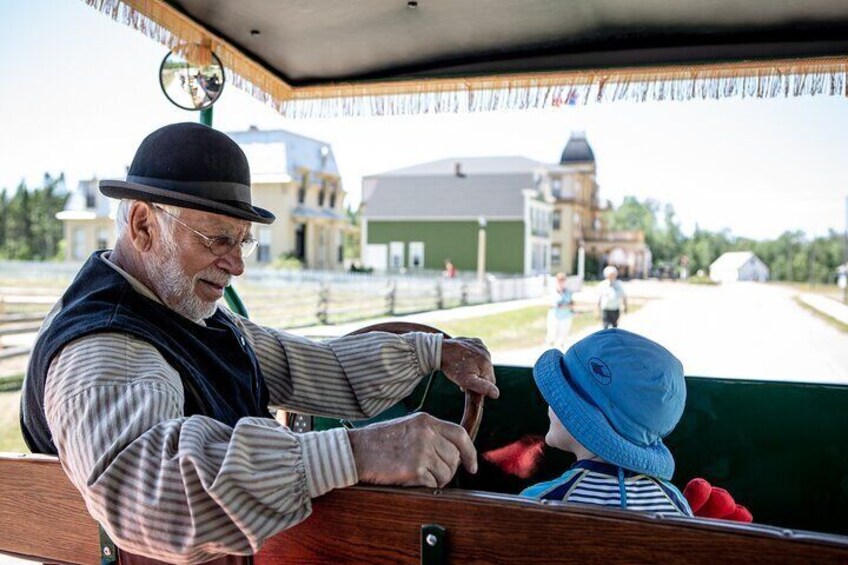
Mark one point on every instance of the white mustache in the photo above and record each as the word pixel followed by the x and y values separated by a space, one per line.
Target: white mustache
pixel 216 277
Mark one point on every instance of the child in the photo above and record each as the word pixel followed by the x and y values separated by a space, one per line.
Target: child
pixel 560 314
pixel 612 397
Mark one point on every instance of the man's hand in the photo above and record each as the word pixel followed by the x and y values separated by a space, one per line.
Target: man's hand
pixel 467 362
pixel 417 450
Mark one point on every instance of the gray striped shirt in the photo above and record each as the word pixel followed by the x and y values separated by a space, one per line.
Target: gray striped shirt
pixel 186 489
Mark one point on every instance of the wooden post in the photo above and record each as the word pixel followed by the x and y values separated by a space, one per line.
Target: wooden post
pixel 390 298
pixel 323 303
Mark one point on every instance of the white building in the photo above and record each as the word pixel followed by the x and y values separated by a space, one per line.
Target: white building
pixel 738 266
pixel 293 176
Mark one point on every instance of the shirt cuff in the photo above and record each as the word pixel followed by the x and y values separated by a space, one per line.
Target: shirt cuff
pixel 328 460
pixel 428 349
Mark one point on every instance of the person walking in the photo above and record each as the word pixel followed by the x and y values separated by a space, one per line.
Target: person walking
pixel 612 298
pixel 560 314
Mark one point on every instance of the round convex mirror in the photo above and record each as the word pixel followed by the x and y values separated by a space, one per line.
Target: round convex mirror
pixel 189 85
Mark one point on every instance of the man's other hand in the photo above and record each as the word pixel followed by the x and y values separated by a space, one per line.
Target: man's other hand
pixel 417 450
pixel 467 362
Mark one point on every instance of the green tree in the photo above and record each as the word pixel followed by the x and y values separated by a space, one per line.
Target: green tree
pixel 29 229
pixel 793 256
pixel 4 212
pixel 352 238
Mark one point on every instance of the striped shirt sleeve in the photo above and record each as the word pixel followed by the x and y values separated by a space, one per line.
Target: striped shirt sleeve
pixel 353 377
pixel 185 490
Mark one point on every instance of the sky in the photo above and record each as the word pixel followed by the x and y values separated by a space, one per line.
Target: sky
pixel 79 92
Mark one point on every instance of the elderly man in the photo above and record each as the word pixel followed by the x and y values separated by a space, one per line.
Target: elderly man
pixel 156 400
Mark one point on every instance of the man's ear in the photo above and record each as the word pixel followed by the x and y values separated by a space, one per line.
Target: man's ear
pixel 142 226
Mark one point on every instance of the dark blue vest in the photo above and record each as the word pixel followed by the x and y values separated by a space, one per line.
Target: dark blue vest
pixel 220 374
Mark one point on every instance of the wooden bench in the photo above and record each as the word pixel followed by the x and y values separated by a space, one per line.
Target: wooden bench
pixel 43 517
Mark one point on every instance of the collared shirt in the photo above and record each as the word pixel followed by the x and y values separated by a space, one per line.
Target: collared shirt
pixel 604 484
pixel 612 294
pixel 185 489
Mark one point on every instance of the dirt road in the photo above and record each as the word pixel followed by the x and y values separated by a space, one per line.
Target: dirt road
pixel 743 330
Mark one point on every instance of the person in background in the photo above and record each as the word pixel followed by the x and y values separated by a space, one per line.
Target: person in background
pixel 450 269
pixel 612 298
pixel 560 314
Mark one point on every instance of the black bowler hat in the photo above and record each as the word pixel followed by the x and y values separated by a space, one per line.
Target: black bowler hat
pixel 192 166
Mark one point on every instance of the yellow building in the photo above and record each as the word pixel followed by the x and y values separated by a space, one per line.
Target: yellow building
pixel 578 217
pixel 293 176
pixel 89 221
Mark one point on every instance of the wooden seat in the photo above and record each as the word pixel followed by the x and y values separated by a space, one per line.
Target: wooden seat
pixel 43 517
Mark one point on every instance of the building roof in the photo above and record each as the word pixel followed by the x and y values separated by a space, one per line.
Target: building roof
pixel 468 166
pixel 733 260
pixel 86 202
pixel 577 150
pixel 277 155
pixel 486 186
pixel 303 212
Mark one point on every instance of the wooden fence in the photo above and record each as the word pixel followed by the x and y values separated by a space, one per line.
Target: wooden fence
pixel 291 300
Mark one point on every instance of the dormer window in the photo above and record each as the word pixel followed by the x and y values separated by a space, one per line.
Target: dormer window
pixel 322 195
pixel 90 197
pixel 301 192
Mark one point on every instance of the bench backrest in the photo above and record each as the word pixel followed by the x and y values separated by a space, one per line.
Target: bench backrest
pixel 42 516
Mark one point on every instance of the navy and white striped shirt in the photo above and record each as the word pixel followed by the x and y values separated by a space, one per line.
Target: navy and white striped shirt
pixel 605 484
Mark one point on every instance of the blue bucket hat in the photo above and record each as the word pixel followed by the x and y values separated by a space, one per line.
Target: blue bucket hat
pixel 618 394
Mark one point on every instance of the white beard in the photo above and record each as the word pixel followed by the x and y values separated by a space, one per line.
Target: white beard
pixel 176 289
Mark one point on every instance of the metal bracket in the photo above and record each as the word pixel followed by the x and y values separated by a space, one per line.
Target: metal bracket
pixel 108 549
pixel 433 550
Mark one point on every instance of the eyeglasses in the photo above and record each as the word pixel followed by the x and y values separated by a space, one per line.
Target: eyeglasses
pixel 220 245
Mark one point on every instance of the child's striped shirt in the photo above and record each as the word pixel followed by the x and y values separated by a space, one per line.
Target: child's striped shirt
pixel 604 484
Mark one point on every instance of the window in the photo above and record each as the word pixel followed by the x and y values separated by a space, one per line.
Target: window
pixel 102 238
pixel 301 192
pixel 263 250
pixel 396 255
pixel 416 254
pixel 557 220
pixel 333 199
pixel 78 250
pixel 322 195
pixel 556 187
pixel 556 255
pixel 90 196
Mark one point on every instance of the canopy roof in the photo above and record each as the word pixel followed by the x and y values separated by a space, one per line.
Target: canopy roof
pixel 321 57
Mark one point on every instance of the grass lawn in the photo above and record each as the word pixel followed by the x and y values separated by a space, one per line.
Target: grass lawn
pixel 517 329
pixel 832 321
pixel 10 433
pixel 830 290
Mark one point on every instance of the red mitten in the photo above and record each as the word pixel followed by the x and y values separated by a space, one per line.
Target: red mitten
pixel 707 501
pixel 697 492
pixel 741 514
pixel 519 458
pixel 719 505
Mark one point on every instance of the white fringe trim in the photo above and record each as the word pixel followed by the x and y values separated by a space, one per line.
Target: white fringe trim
pixel 786 78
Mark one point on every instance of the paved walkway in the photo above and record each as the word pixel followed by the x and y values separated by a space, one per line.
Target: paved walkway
pixel 742 330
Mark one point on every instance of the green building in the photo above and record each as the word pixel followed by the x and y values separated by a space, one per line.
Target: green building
pixel 416 218
pixel 538 217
